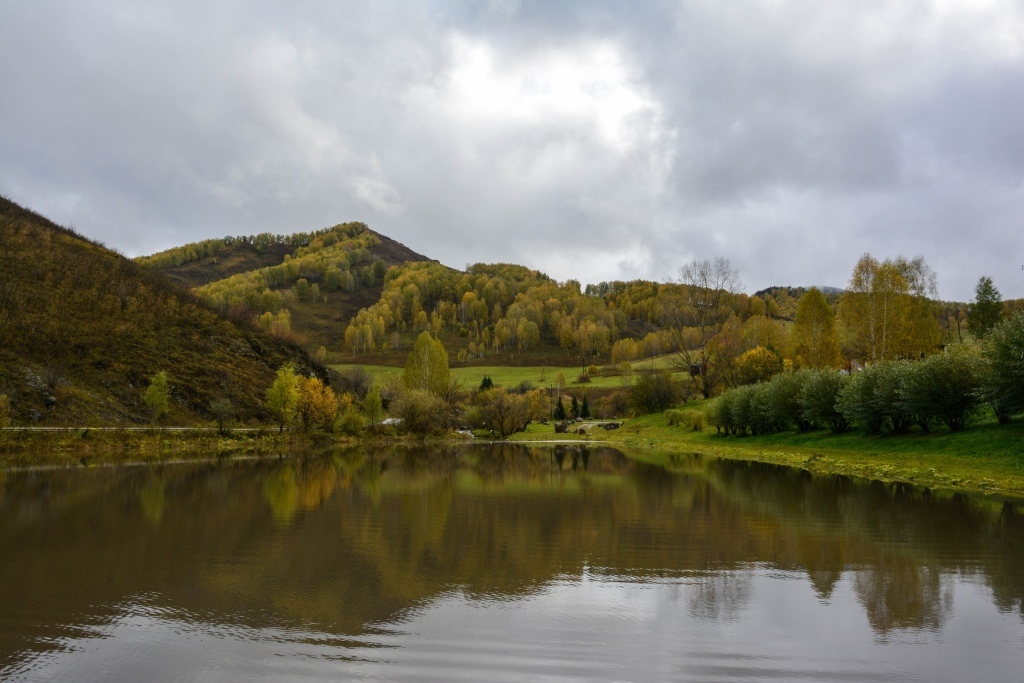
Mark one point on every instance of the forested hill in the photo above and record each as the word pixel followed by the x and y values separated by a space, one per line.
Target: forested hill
pixel 82 330
pixel 303 287
pixel 201 263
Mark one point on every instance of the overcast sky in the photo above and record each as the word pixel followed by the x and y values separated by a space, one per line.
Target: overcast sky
pixel 591 140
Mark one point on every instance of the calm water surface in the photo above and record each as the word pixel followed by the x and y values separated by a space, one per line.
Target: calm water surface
pixel 501 564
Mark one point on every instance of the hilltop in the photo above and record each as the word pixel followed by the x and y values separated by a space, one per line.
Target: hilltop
pixel 303 287
pixel 82 329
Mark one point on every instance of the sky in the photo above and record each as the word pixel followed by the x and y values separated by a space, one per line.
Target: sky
pixel 594 140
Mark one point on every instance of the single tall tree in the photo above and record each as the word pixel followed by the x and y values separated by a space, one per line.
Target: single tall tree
pixel 426 368
pixel 697 318
pixel 283 396
pixel 156 397
pixel 814 332
pixel 986 310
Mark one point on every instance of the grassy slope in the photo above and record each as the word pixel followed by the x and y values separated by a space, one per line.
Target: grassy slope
pixel 83 328
pixel 985 457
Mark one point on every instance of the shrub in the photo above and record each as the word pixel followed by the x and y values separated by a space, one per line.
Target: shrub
pixel 818 400
pixel 652 392
pixel 946 385
pixel 783 397
pixel 421 412
pixel 350 422
pixel 694 419
pixel 889 396
pixel 582 378
pixel 857 401
pixel 721 414
pixel 741 408
pixel 674 417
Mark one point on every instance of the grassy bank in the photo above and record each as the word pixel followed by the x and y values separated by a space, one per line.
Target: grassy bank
pixel 986 457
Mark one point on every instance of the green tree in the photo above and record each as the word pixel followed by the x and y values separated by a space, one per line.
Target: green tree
pixel 486 383
pixel 584 408
pixel 373 406
pixel 560 409
pixel 946 385
pixel 221 409
pixel 283 396
pixel 652 392
pixel 574 407
pixel 1004 358
pixel 426 368
pixel 819 397
pixel 984 313
pixel 156 397
pixel 814 333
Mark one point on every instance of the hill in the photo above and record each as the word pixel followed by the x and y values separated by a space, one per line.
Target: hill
pixel 82 329
pixel 303 287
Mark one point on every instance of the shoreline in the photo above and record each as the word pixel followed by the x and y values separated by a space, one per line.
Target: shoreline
pixel 998 473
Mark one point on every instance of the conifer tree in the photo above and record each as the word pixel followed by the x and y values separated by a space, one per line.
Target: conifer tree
pixel 585 408
pixel 560 410
pixel 985 312
pixel 574 407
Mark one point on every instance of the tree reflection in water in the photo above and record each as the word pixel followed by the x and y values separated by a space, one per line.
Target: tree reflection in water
pixel 349 539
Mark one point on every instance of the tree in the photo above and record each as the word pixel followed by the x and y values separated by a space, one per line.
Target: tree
pixel 574 407
pixel 5 410
pixel 652 392
pixel 156 397
pixel 758 365
pixel 426 368
pixel 584 408
pixel 814 332
pixel 696 319
pixel 985 312
pixel 221 409
pixel 886 310
pixel 373 406
pixel 1004 358
pixel 947 386
pixel 486 383
pixel 819 397
pixel 316 405
pixel 504 412
pixel 560 409
pixel 283 396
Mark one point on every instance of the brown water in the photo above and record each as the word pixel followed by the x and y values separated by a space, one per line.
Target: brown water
pixel 501 564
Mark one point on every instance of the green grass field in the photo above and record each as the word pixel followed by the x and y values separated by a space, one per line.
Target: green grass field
pixel 510 376
pixel 505 376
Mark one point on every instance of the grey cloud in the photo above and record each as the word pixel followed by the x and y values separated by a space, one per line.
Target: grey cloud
pixel 627 137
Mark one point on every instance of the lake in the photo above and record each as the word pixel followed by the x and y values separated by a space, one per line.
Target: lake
pixel 501 563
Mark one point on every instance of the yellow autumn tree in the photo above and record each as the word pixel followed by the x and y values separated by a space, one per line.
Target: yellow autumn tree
pixel 814 333
pixel 888 311
pixel 316 405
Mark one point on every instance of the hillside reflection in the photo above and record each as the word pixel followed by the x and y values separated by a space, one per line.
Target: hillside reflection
pixel 345 541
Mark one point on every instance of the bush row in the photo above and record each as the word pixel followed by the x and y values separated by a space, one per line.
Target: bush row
pixel 948 388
